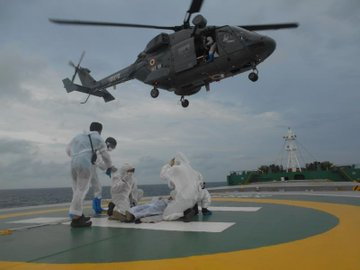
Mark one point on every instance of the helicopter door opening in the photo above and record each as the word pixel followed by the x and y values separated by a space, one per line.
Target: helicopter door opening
pixel 206 47
pixel 184 55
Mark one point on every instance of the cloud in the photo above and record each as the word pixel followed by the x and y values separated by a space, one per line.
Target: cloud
pixel 21 166
pixel 8 146
pixel 11 75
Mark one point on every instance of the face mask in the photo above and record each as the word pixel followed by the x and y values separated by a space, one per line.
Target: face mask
pixel 130 173
pixel 110 148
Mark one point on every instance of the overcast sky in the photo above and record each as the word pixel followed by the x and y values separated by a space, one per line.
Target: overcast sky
pixel 311 83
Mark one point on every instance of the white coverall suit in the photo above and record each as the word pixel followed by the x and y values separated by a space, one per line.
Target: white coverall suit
pixel 204 199
pixel 82 169
pixel 95 182
pixel 184 181
pixel 124 190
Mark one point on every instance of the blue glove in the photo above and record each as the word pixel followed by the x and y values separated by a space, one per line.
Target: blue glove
pixel 108 172
pixel 206 212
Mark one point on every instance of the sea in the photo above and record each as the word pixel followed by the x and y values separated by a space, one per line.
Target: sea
pixel 11 198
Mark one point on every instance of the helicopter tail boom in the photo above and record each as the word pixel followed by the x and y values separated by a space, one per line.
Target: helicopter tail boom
pixel 70 87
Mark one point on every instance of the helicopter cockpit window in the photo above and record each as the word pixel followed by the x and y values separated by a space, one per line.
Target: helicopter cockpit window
pixel 160 41
pixel 244 34
pixel 241 33
pixel 228 40
pixel 228 37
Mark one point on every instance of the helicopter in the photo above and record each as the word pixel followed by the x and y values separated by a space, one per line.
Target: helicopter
pixel 180 62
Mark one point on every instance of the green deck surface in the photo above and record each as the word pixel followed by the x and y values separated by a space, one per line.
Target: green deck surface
pixel 273 224
pixel 63 244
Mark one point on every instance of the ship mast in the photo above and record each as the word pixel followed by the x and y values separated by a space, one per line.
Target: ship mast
pixel 290 146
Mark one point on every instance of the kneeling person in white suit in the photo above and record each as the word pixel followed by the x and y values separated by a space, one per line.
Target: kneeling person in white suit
pixel 124 192
pixel 184 181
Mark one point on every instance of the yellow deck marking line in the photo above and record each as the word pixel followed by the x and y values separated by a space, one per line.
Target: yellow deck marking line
pixel 333 250
pixel 19 214
pixel 52 210
pixel 36 212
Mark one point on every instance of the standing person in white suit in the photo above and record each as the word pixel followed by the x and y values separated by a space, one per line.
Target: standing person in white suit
pixel 82 150
pixel 95 182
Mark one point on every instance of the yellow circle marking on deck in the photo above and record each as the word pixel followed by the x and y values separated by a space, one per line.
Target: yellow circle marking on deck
pixel 335 249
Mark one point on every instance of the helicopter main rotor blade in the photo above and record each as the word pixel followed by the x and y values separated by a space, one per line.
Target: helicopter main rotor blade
pixel 195 6
pixel 276 26
pixel 94 23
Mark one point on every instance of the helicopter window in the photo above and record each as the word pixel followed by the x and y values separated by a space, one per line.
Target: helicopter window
pixel 242 35
pixel 228 37
pixel 160 41
pixel 228 40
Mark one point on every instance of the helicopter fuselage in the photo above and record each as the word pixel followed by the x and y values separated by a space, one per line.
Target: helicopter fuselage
pixel 184 61
pixel 178 62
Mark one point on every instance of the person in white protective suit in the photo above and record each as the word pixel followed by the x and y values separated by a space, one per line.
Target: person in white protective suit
pixel 204 201
pixel 82 149
pixel 95 182
pixel 124 192
pixel 184 181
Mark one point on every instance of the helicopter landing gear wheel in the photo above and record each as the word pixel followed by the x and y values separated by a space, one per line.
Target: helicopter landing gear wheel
pixel 154 93
pixel 184 102
pixel 253 76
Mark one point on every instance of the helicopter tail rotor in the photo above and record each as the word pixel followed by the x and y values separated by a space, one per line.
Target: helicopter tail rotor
pixel 77 66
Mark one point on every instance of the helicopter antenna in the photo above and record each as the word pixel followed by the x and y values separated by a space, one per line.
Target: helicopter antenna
pixel 194 8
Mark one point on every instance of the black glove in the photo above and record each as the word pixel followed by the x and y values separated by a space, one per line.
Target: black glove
pixel 108 172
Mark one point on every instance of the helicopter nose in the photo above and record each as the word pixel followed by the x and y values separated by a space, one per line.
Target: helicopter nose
pixel 263 47
pixel 270 45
